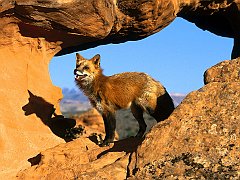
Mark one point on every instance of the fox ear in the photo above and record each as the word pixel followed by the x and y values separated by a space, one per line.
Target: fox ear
pixel 79 57
pixel 96 60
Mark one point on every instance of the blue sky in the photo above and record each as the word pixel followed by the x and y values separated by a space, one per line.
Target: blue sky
pixel 177 56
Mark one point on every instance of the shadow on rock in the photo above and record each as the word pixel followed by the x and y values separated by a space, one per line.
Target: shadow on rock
pixel 45 110
pixel 128 145
pixel 35 160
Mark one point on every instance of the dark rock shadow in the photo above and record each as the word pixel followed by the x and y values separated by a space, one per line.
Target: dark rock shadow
pixel 127 145
pixel 45 111
pixel 35 160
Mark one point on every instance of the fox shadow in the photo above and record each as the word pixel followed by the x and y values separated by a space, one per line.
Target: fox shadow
pixel 45 111
pixel 128 145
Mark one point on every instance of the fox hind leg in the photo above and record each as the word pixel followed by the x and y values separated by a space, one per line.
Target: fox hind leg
pixel 138 114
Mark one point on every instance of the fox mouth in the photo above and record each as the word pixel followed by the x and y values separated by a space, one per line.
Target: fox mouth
pixel 79 75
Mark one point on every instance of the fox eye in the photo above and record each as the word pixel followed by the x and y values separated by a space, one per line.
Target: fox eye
pixel 86 68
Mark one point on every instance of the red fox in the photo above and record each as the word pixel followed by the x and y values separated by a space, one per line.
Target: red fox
pixel 108 94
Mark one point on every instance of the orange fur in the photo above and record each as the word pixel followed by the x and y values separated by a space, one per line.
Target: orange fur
pixel 130 89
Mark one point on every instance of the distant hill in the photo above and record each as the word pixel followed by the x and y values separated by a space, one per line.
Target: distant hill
pixel 73 94
pixel 74 101
pixel 177 98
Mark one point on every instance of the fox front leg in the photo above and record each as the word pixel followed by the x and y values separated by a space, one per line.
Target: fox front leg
pixel 110 126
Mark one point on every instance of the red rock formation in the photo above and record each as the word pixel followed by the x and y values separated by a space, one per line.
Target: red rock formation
pixel 24 65
pixel 32 32
pixel 81 159
pixel 78 25
pixel 200 140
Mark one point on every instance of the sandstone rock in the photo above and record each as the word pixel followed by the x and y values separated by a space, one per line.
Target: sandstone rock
pixel 226 71
pixel 32 32
pixel 201 139
pixel 24 63
pixel 82 159
pixel 79 24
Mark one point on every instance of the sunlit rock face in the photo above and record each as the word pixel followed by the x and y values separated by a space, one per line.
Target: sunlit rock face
pixel 83 24
pixel 32 32
pixel 201 139
pixel 27 96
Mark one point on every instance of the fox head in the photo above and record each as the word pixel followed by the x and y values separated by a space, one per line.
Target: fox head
pixel 86 70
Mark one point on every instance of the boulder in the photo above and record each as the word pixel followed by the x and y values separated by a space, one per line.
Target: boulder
pixel 201 139
pixel 225 71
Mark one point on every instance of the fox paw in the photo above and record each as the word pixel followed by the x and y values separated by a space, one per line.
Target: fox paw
pixel 105 143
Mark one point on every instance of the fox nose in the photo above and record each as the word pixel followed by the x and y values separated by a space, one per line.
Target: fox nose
pixel 75 71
